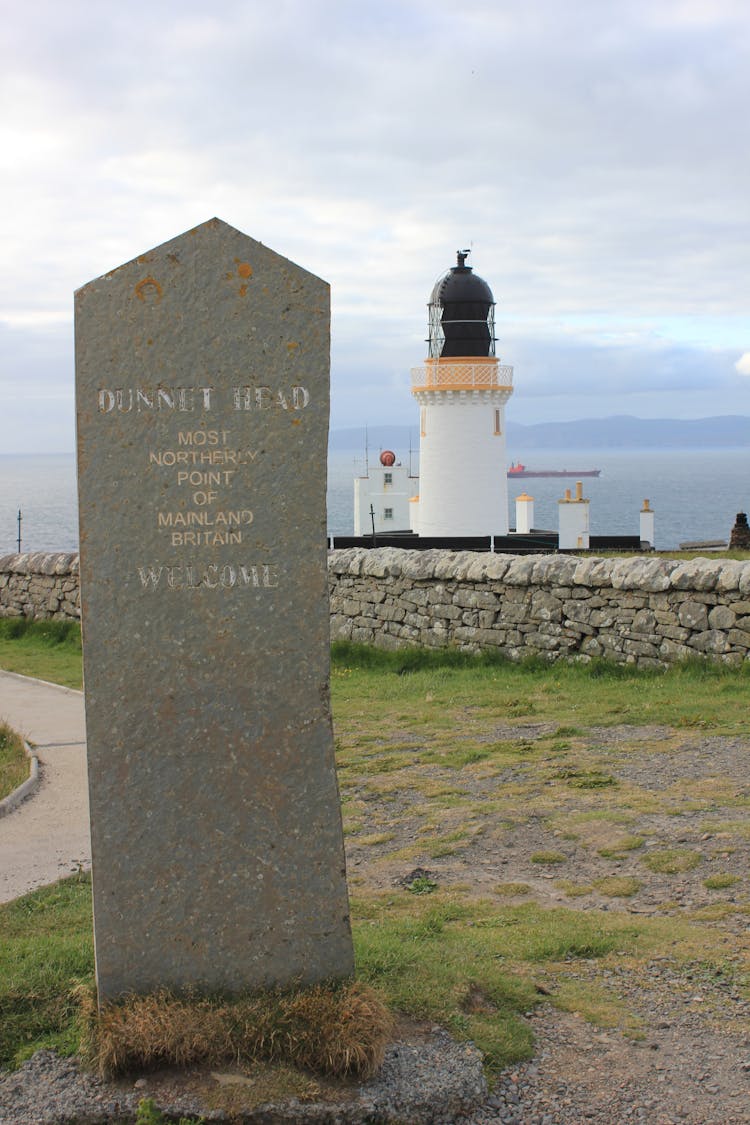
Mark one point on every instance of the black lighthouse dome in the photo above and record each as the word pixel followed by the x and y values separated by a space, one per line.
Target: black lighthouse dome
pixel 462 314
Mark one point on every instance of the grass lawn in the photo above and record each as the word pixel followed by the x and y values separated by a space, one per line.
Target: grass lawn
pixel 452 761
pixel 14 765
pixel 47 650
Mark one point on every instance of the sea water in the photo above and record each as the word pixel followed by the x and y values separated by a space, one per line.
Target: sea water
pixel 695 495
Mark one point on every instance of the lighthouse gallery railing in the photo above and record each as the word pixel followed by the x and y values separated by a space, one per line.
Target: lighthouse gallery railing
pixel 450 375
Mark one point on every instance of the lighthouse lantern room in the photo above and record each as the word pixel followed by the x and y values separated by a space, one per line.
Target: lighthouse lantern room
pixel 462 390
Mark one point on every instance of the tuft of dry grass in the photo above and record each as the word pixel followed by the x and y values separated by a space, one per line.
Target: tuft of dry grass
pixel 335 1030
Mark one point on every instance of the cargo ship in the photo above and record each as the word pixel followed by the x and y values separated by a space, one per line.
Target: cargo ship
pixel 518 470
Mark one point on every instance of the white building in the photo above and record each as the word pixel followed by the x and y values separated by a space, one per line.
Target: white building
pixel 383 497
pixel 462 390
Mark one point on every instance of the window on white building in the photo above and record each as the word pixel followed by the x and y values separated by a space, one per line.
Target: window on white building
pixel 388 514
pixel 387 478
pixel 498 429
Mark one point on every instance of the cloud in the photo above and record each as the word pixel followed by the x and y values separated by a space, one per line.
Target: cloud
pixel 593 156
pixel 742 366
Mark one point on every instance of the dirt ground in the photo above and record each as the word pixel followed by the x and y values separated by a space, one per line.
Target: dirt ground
pixel 628 819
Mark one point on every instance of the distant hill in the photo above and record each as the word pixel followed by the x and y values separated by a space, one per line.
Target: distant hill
pixel 621 431
pixel 625 432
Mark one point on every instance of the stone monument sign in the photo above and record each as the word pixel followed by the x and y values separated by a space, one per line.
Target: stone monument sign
pixel 202 406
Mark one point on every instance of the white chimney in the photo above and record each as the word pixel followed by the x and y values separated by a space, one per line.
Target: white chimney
pixel 524 514
pixel 574 520
pixel 647 524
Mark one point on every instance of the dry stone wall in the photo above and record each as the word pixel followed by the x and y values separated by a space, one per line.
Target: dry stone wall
pixel 643 611
pixel 39 586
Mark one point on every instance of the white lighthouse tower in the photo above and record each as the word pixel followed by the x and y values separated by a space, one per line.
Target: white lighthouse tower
pixel 462 390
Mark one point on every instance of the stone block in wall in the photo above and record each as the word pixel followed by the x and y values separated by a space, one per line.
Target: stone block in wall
pixel 484 567
pixel 624 617
pixel 418 566
pixel 632 600
pixel 362 636
pixel 520 570
pixel 513 613
pixel 610 643
pixel 391 613
pixel 365 622
pixel 553 570
pixel 696 574
pixel 458 569
pixel 693 615
pixel 665 616
pixel 675 632
pixel 545 642
pixel 712 640
pixel 647 575
pixel 433 638
pixel 721 617
pixel 372 595
pixel 345 561
pixel 644 621
pixel 418 595
pixel 577 611
pixel 545 607
pixel 590 646
pixel 513 594
pixel 580 628
pixel 383 562
pixel 641 648
pixel 730 575
pixel 487 638
pixel 472 598
pixel 739 638
pixel 563 592
pixel 602 618
pixel 350 606
pixel 671 651
pixel 486 618
pixel 465 633
pixel 450 612
pixel 341 627
pixel 593 572
pixel 407 634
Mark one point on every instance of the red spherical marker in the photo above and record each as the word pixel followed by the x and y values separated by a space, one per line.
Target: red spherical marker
pixel 387 458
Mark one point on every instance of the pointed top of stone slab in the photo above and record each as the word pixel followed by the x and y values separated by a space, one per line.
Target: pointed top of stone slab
pixel 206 237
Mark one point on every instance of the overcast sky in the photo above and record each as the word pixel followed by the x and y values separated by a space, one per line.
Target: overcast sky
pixel 593 154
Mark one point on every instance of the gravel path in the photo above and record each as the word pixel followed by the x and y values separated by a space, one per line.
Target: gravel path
pixel 47 837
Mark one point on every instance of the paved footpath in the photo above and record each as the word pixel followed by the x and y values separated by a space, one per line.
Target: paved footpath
pixel 46 837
